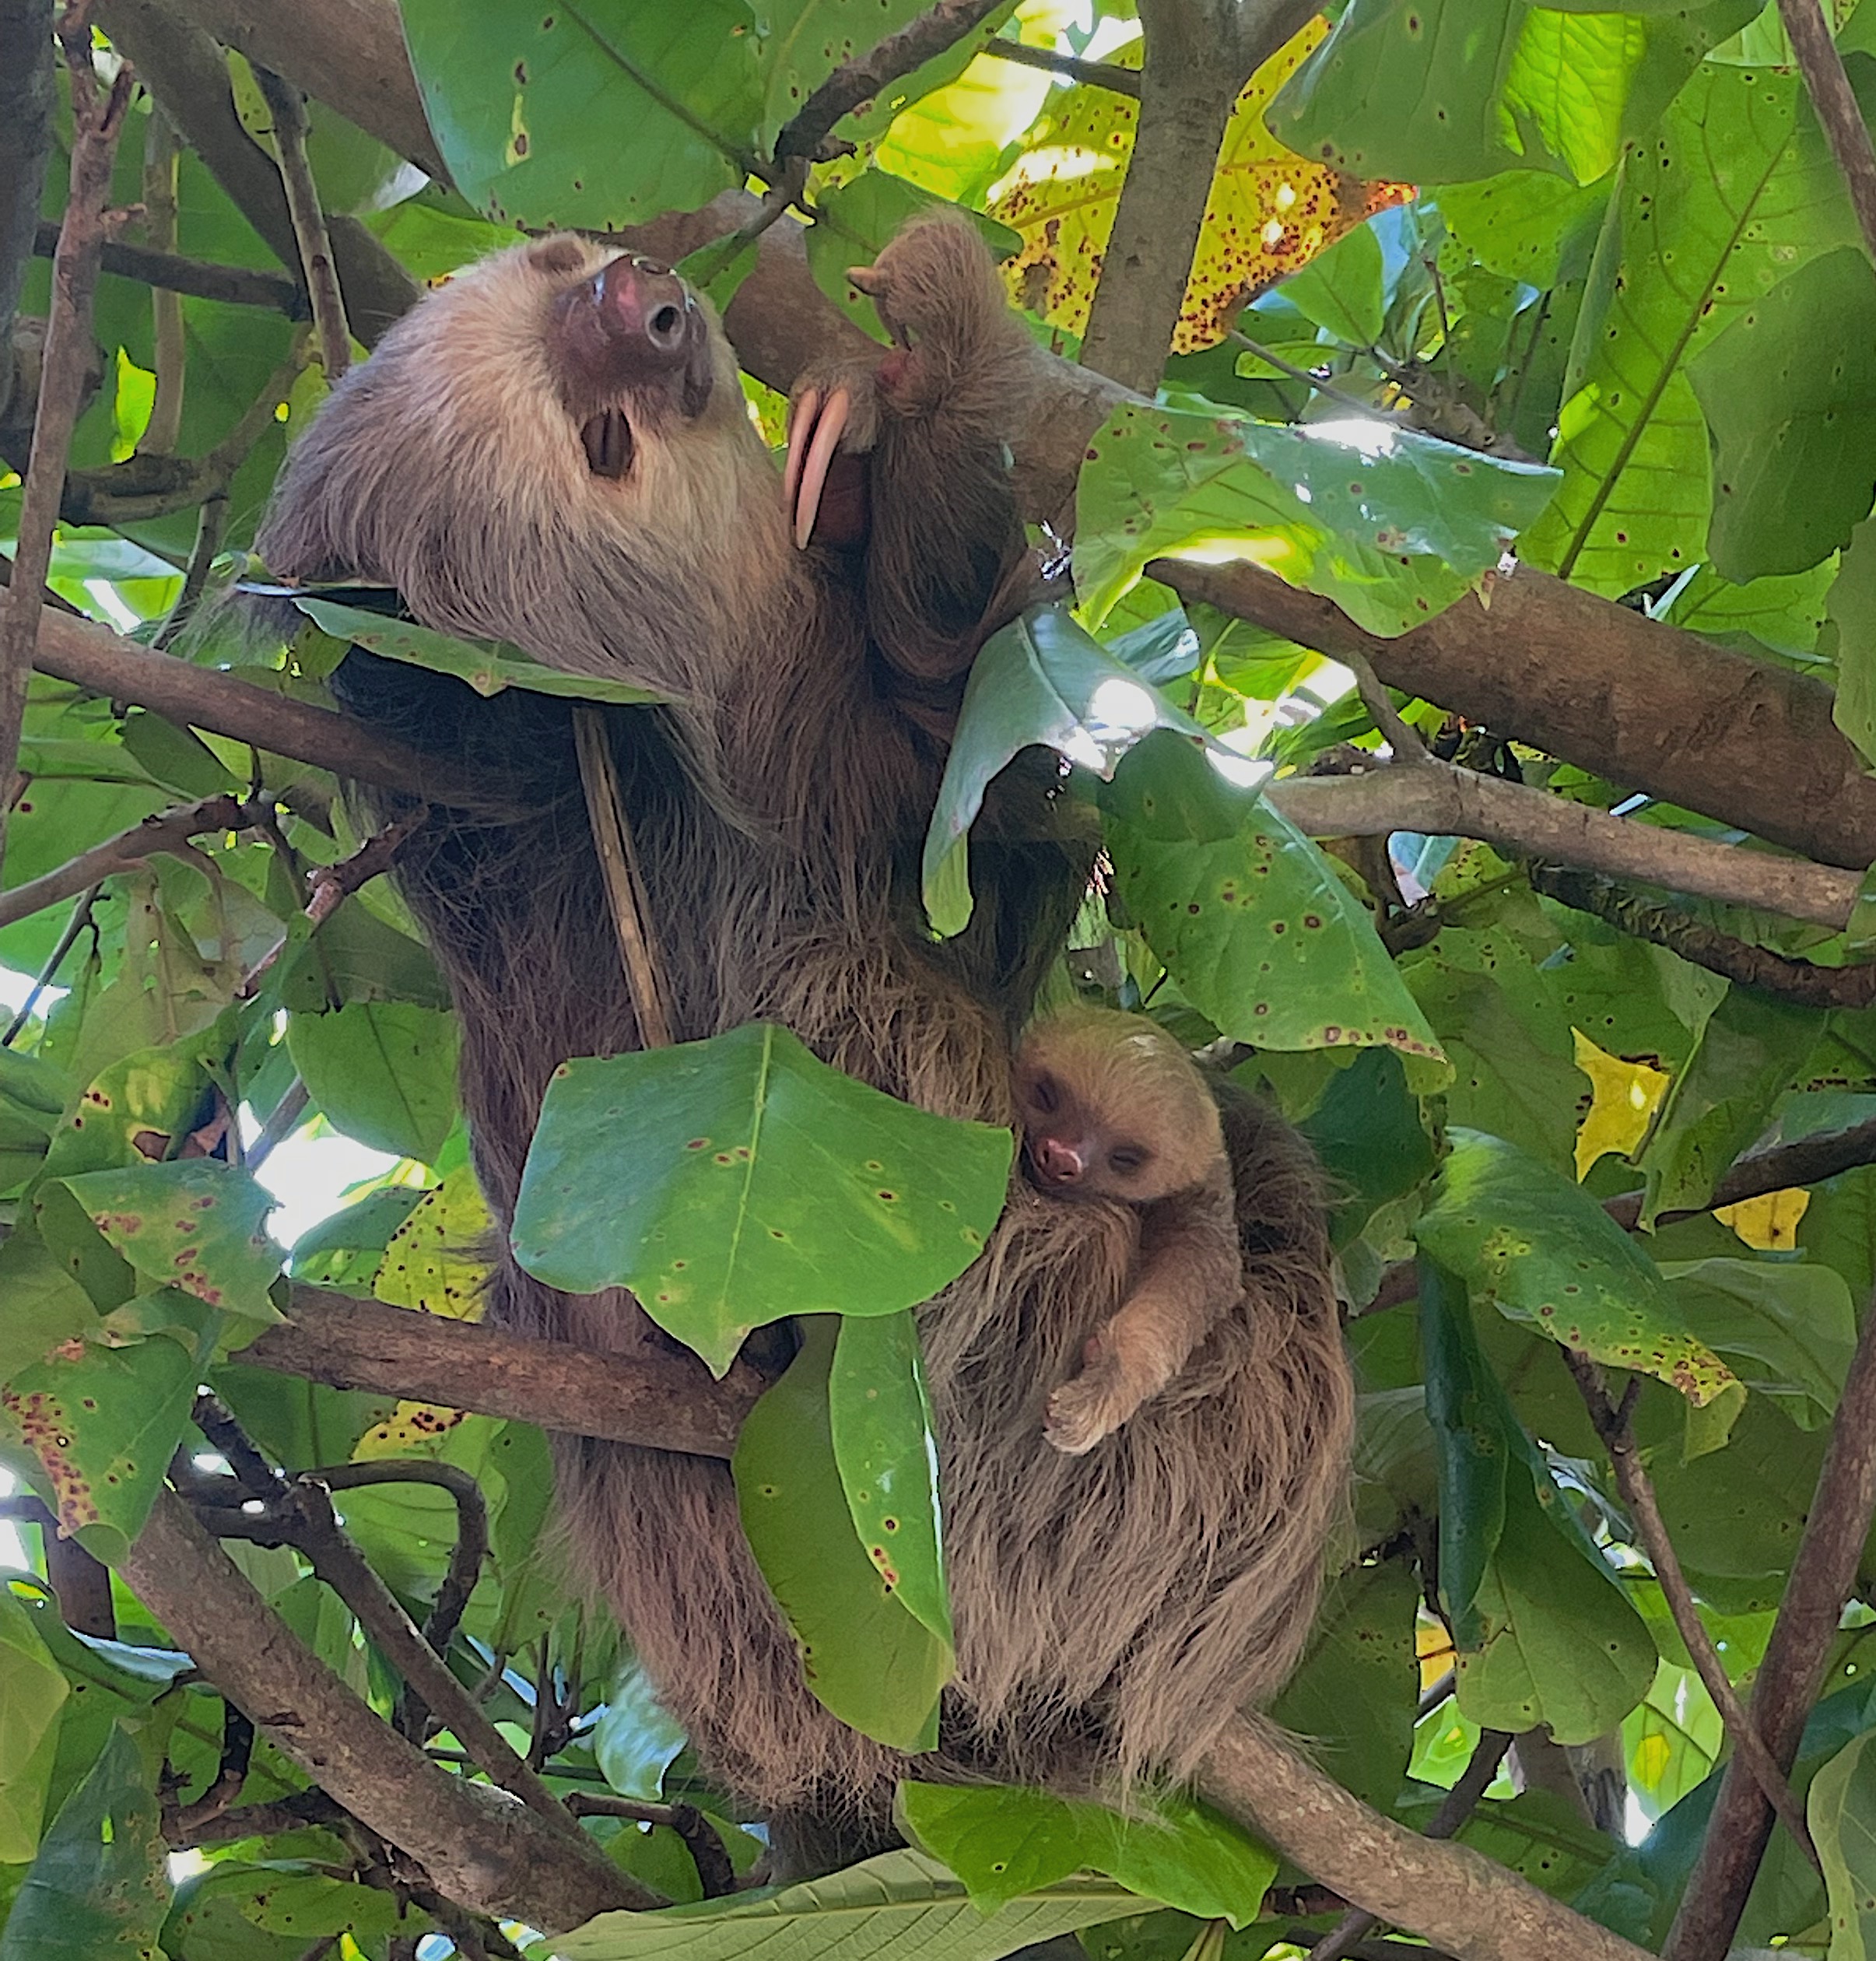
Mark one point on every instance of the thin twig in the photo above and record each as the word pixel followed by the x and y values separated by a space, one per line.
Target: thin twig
pixel 1328 389
pixel 715 1874
pixel 233 286
pixel 210 528
pixel 1459 1804
pixel 1404 742
pixel 625 888
pixel 1100 75
pixel 281 1122
pixel 162 152
pixel 1831 95
pixel 96 127
pixel 287 106
pixel 1836 1528
pixel 1613 1426
pixel 80 919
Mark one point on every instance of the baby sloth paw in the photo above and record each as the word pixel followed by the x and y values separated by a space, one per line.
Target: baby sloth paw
pixel 1087 1407
pixel 833 420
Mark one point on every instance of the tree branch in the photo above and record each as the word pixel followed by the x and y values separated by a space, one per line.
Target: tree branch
pixel 1836 1528
pixel 1831 95
pixel 478 1845
pixel 234 285
pixel 96 122
pixel 1453 1896
pixel 287 107
pixel 1612 1425
pixel 1098 74
pixel 663 1401
pixel 29 95
pixel 715 1874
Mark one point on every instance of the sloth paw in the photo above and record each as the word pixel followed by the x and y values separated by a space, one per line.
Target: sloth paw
pixel 1083 1411
pixel 833 420
pixel 934 284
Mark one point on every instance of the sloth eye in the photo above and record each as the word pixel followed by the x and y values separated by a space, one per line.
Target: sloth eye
pixel 1127 1158
pixel 1045 1095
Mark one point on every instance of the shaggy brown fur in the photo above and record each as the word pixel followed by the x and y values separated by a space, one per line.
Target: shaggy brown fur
pixel 1112 1609
pixel 1112 1107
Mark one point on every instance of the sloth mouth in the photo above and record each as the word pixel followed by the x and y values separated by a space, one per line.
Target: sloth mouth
pixel 607 439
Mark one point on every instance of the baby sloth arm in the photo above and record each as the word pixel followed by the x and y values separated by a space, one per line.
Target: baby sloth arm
pixel 1190 1272
pixel 1113 1107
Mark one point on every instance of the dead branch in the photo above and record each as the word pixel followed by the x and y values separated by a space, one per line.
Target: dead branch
pixel 1451 1895
pixel 860 78
pixel 1458 1805
pixel 97 121
pixel 287 106
pixel 628 902
pixel 233 286
pixel 1612 1424
pixel 1097 74
pixel 666 1402
pixel 1836 1529
pixel 479 1847
pixel 187 72
pixel 1835 103
pixel 168 831
pixel 1804 982
pixel 29 95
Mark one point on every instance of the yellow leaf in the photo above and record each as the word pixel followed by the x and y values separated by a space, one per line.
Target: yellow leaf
pixel 1770 1222
pixel 1624 1098
pixel 413 1430
pixel 1433 1646
pixel 1269 213
pixel 434 1261
pixel 1652 1754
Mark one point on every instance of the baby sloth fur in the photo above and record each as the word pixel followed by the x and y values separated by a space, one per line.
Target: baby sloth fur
pixel 553 450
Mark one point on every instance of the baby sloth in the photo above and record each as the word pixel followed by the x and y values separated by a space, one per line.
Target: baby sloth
pixel 1113 1107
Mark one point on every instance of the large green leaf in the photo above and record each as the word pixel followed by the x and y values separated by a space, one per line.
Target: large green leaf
pixel 487 666
pixel 1263 938
pixel 383 1071
pixel 1003 1842
pixel 598 116
pixel 1392 525
pixel 1850 634
pixel 98 1884
pixel 196 1224
pixel 1042 679
pixel 1789 393
pixel 1714 210
pixel 1475 1445
pixel 732 1182
pixel 1789 1331
pixel 863 1653
pixel 32 1692
pixel 1841 1810
pixel 892 1908
pixel 883 1444
pixel 1541 1250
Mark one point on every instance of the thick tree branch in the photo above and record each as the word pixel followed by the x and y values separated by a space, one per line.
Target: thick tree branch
pixel 663 1401
pixel 186 72
pixel 1835 103
pixel 28 97
pixel 234 285
pixel 1642 703
pixel 479 1847
pixel 1836 1529
pixel 1438 800
pixel 1451 1895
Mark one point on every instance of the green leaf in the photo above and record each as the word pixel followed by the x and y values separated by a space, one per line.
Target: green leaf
pixel 863 1654
pixel 488 666
pixel 1392 525
pixel 1042 679
pixel 33 1693
pixel 1849 634
pixel 1340 289
pixel 731 1182
pixel 1789 1331
pixel 881 1423
pixel 804 41
pixel 1711 214
pixel 274 1911
pixel 383 1071
pixel 1541 1250
pixel 176 756
pixel 636 1739
pixel 592 118
pixel 1003 1842
pixel 1368 1133
pixel 1749 1049
pixel 353 955
pixel 99 1884
pixel 1262 936
pixel 46 1303
pixel 898 1903
pixel 104 1423
pixel 195 1224
pixel 1789 393
pixel 1841 1810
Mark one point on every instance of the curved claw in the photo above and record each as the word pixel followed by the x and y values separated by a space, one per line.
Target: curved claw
pixel 810 457
pixel 867 278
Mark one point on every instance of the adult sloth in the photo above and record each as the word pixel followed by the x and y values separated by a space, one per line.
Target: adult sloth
pixel 554 450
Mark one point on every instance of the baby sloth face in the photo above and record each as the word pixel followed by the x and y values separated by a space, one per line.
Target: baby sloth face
pixel 1112 1107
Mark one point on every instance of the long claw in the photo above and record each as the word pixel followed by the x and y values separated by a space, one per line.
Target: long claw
pixel 801 424
pixel 829 427
pixel 867 278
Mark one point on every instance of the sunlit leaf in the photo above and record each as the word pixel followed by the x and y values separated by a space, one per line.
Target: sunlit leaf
pixel 1623 1099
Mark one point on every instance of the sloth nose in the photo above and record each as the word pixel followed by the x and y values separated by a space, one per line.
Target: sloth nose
pixel 645 314
pixel 1057 1161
